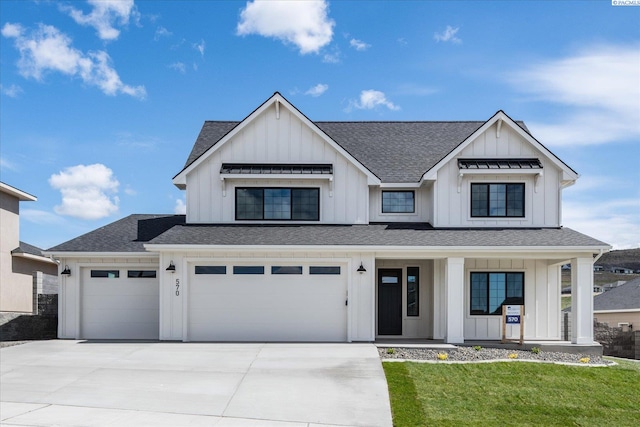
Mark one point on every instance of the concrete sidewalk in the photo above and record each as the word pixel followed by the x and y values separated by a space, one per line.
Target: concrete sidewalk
pixel 76 383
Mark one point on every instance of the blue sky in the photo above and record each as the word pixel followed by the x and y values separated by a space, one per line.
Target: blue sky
pixel 101 101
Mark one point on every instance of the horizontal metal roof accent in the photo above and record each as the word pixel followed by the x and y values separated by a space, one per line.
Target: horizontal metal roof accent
pixel 499 164
pixel 276 169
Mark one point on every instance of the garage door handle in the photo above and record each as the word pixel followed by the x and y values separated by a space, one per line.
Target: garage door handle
pixel 346 302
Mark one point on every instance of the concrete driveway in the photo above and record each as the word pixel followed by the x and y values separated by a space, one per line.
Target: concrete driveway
pixel 77 383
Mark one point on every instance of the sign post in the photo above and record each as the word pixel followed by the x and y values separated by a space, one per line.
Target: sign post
pixel 512 315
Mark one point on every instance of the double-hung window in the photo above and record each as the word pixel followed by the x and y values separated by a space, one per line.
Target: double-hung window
pixel 299 204
pixel 489 291
pixel 497 200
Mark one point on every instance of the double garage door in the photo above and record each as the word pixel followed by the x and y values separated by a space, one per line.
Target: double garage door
pixel 267 303
pixel 119 303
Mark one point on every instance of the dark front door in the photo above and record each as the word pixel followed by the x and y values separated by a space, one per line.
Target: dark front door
pixel 390 301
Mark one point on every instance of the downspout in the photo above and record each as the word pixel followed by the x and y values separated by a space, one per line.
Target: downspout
pixel 598 256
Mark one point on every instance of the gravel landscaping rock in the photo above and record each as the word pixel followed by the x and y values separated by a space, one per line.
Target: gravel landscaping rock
pixel 469 354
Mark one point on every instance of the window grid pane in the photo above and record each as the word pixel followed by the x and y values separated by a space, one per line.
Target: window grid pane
pixel 398 202
pixel 302 204
pixel 249 203
pixel 277 203
pixel 306 204
pixel 497 200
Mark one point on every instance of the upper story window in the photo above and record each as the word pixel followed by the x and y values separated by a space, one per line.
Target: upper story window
pixel 398 202
pixel 497 200
pixel 299 204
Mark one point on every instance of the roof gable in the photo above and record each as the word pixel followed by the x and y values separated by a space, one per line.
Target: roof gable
pixel 214 135
pixel 623 297
pixel 502 119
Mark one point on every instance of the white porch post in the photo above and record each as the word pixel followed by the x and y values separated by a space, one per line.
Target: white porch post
pixel 582 301
pixel 454 298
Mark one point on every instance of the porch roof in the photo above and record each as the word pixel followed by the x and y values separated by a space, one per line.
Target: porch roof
pixel 372 235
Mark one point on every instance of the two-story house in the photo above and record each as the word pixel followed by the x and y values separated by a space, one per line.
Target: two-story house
pixel 340 231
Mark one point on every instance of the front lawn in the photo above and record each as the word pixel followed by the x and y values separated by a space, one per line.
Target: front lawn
pixel 513 394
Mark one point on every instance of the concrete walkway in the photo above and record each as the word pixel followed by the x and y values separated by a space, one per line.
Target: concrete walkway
pixel 76 383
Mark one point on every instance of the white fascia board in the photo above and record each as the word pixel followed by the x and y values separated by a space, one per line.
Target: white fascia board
pixel 34 257
pixel 567 173
pixel 19 194
pixel 100 254
pixel 181 179
pixel 400 185
pixel 530 252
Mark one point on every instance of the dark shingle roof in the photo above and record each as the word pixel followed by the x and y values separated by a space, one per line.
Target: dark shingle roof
pixel 128 234
pixel 623 297
pixel 384 235
pixel 26 248
pixel 393 151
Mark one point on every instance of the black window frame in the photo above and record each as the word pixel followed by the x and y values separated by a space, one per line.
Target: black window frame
pixel 292 207
pixel 413 310
pixel 286 270
pixel 498 312
pixel 413 208
pixel 487 213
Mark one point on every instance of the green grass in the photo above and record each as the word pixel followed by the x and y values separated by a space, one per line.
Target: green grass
pixel 513 394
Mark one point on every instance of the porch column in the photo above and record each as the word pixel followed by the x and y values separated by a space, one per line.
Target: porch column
pixel 582 300
pixel 454 300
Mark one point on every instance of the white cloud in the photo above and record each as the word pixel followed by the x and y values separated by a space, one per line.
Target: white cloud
pixel 370 99
pixel 12 91
pixel 304 24
pixel 40 217
pixel 600 89
pixel 104 16
pixel 7 165
pixel 162 32
pixel 317 90
pixel 614 221
pixel 448 35
pixel 332 57
pixel 86 191
pixel 178 66
pixel 200 47
pixel 130 191
pixel 359 45
pixel 180 208
pixel 46 49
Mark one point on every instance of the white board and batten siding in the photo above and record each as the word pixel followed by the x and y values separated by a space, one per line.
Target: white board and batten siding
pixel 269 140
pixel 541 297
pixel 229 307
pixel 542 198
pixel 422 199
pixel 109 308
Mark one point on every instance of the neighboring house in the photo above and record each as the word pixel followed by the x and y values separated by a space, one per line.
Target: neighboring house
pixel 340 231
pixel 598 268
pixel 621 270
pixel 18 260
pixel 620 306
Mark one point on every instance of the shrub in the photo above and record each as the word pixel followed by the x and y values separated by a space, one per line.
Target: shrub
pixel 584 360
pixel 443 356
pixel 391 351
pixel 513 356
pixel 535 350
pixel 477 348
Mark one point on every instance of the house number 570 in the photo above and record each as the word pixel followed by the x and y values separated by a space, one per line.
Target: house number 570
pixel 177 287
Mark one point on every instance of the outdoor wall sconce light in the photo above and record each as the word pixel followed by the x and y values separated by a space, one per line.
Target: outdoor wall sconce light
pixel 361 269
pixel 172 267
pixel 66 271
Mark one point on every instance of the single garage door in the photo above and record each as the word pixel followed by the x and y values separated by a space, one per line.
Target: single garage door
pixel 267 303
pixel 119 303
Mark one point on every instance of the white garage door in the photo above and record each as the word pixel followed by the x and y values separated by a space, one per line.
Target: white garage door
pixel 119 303
pixel 267 303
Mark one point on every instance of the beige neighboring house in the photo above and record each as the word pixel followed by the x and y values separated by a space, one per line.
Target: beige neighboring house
pixel 619 306
pixel 18 260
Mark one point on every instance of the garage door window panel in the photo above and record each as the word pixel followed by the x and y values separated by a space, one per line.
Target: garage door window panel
pixel 211 269
pixel 286 270
pixel 324 270
pixel 141 274
pixel 250 269
pixel 105 274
